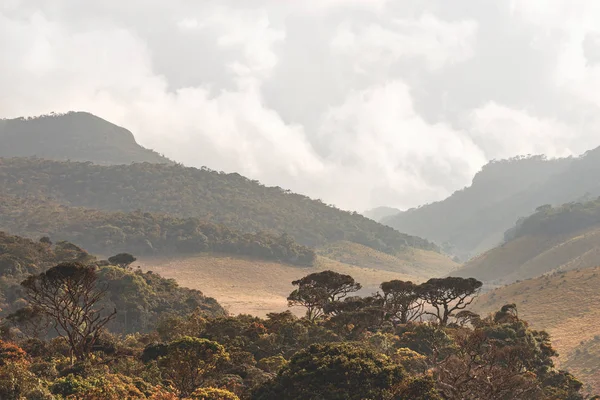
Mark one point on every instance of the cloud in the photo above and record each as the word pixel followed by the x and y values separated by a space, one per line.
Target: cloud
pixel 499 130
pixel 359 103
pixel 437 42
pixel 388 148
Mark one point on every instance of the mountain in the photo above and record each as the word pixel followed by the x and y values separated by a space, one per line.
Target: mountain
pixel 553 238
pixel 567 305
pixel 225 199
pixel 379 213
pixel 77 136
pixel 474 219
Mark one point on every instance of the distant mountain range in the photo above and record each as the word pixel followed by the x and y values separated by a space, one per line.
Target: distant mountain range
pixel 76 136
pixel 474 219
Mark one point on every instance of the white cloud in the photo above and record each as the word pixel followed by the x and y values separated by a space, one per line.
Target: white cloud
pixel 502 132
pixel 387 146
pixel 375 47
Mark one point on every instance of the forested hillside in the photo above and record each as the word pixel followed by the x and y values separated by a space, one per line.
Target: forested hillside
pixel 474 219
pixel 553 238
pixel 77 136
pixel 140 297
pixel 228 199
pixel 142 233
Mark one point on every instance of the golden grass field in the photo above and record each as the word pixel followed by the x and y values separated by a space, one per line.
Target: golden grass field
pixel 250 286
pixel 253 286
pixel 567 305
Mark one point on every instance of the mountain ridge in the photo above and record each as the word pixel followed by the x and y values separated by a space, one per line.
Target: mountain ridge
pixel 474 219
pixel 77 136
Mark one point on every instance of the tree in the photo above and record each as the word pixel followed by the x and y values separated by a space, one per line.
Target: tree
pixel 69 295
pixel 318 289
pixel 334 371
pixel 213 394
pixel 447 295
pixel 401 301
pixel 355 314
pixel 189 361
pixel 122 260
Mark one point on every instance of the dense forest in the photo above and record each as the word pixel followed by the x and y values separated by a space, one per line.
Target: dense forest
pixel 77 136
pixel 140 297
pixel 142 232
pixel 474 219
pixel 408 341
pixel 227 199
pixel 564 219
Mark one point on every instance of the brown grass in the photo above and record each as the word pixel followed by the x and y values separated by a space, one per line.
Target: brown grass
pixel 244 285
pixel 414 262
pixel 531 256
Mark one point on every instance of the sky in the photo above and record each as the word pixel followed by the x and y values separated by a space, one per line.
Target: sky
pixel 360 103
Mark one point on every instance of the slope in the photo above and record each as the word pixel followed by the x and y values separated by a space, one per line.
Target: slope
pixel 417 262
pixel 77 136
pixel 228 199
pixel 474 219
pixel 567 305
pixel 554 238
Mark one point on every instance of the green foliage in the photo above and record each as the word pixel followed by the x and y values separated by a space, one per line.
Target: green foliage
pixel 336 371
pixel 213 394
pixel 227 199
pixel 143 232
pixel 140 298
pixel 188 362
pixel 317 290
pixel 565 219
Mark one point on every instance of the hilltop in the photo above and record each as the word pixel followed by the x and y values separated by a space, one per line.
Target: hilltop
pixel 474 219
pixel 77 136
pixel 226 199
pixel 567 305
pixel 553 238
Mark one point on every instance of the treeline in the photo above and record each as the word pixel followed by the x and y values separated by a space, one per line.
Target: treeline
pixel 226 199
pixel 143 233
pixel 350 351
pixel 141 298
pixel 564 219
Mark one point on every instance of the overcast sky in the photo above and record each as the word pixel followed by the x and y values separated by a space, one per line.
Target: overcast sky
pixel 358 102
